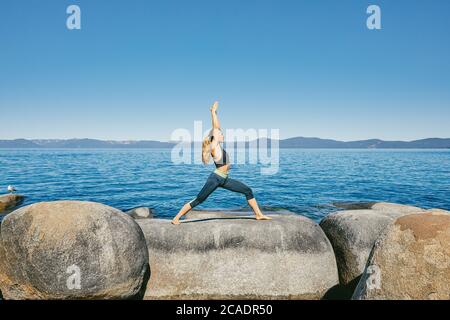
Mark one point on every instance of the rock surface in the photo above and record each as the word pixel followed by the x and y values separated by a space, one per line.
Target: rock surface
pixel 71 250
pixel 411 260
pixel 9 201
pixel 210 214
pixel 353 233
pixel 140 213
pixel 395 209
pixel 229 258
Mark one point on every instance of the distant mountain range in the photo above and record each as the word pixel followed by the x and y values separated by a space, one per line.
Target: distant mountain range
pixel 301 142
pixel 298 142
pixel 83 144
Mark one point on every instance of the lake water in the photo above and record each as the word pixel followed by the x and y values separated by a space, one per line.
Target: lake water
pixel 308 181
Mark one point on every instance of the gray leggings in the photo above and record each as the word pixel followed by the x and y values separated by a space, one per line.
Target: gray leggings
pixel 214 181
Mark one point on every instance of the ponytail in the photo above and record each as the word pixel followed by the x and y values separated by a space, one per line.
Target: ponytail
pixel 206 149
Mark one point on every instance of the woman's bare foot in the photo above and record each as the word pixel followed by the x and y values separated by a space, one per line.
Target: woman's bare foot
pixel 263 217
pixel 176 221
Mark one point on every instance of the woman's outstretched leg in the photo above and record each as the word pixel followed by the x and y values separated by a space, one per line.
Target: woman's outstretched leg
pixel 211 184
pixel 237 186
pixel 186 208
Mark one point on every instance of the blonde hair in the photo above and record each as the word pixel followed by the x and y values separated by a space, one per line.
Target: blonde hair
pixel 206 148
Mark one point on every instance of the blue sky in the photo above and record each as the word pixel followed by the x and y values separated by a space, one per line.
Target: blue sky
pixel 140 69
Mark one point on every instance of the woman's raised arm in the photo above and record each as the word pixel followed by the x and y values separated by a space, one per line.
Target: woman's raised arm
pixel 215 119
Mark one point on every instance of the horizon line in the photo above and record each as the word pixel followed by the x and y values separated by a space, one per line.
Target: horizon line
pixel 170 141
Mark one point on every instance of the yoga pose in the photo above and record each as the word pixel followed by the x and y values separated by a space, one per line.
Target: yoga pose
pixel 219 178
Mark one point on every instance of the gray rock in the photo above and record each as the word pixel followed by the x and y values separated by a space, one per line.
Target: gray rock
pixel 71 250
pixel 140 213
pixel 410 260
pixel 395 209
pixel 226 258
pixel 9 202
pixel 209 214
pixel 353 234
pixel 197 215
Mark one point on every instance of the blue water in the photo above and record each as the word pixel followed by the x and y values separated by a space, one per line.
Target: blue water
pixel 308 181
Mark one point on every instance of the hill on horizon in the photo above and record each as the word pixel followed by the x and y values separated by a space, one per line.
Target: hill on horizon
pixel 296 143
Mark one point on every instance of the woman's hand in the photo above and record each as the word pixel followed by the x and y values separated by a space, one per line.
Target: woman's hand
pixel 215 119
pixel 215 106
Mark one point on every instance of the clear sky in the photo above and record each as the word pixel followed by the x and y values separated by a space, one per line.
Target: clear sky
pixel 139 69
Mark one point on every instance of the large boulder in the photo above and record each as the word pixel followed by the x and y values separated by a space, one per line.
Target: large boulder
pixel 239 257
pixel 71 250
pixel 353 233
pixel 10 201
pixel 411 260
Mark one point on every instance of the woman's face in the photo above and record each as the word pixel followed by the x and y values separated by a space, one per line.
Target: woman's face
pixel 217 133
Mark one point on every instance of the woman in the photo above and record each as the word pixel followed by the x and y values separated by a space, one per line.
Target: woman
pixel 219 178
